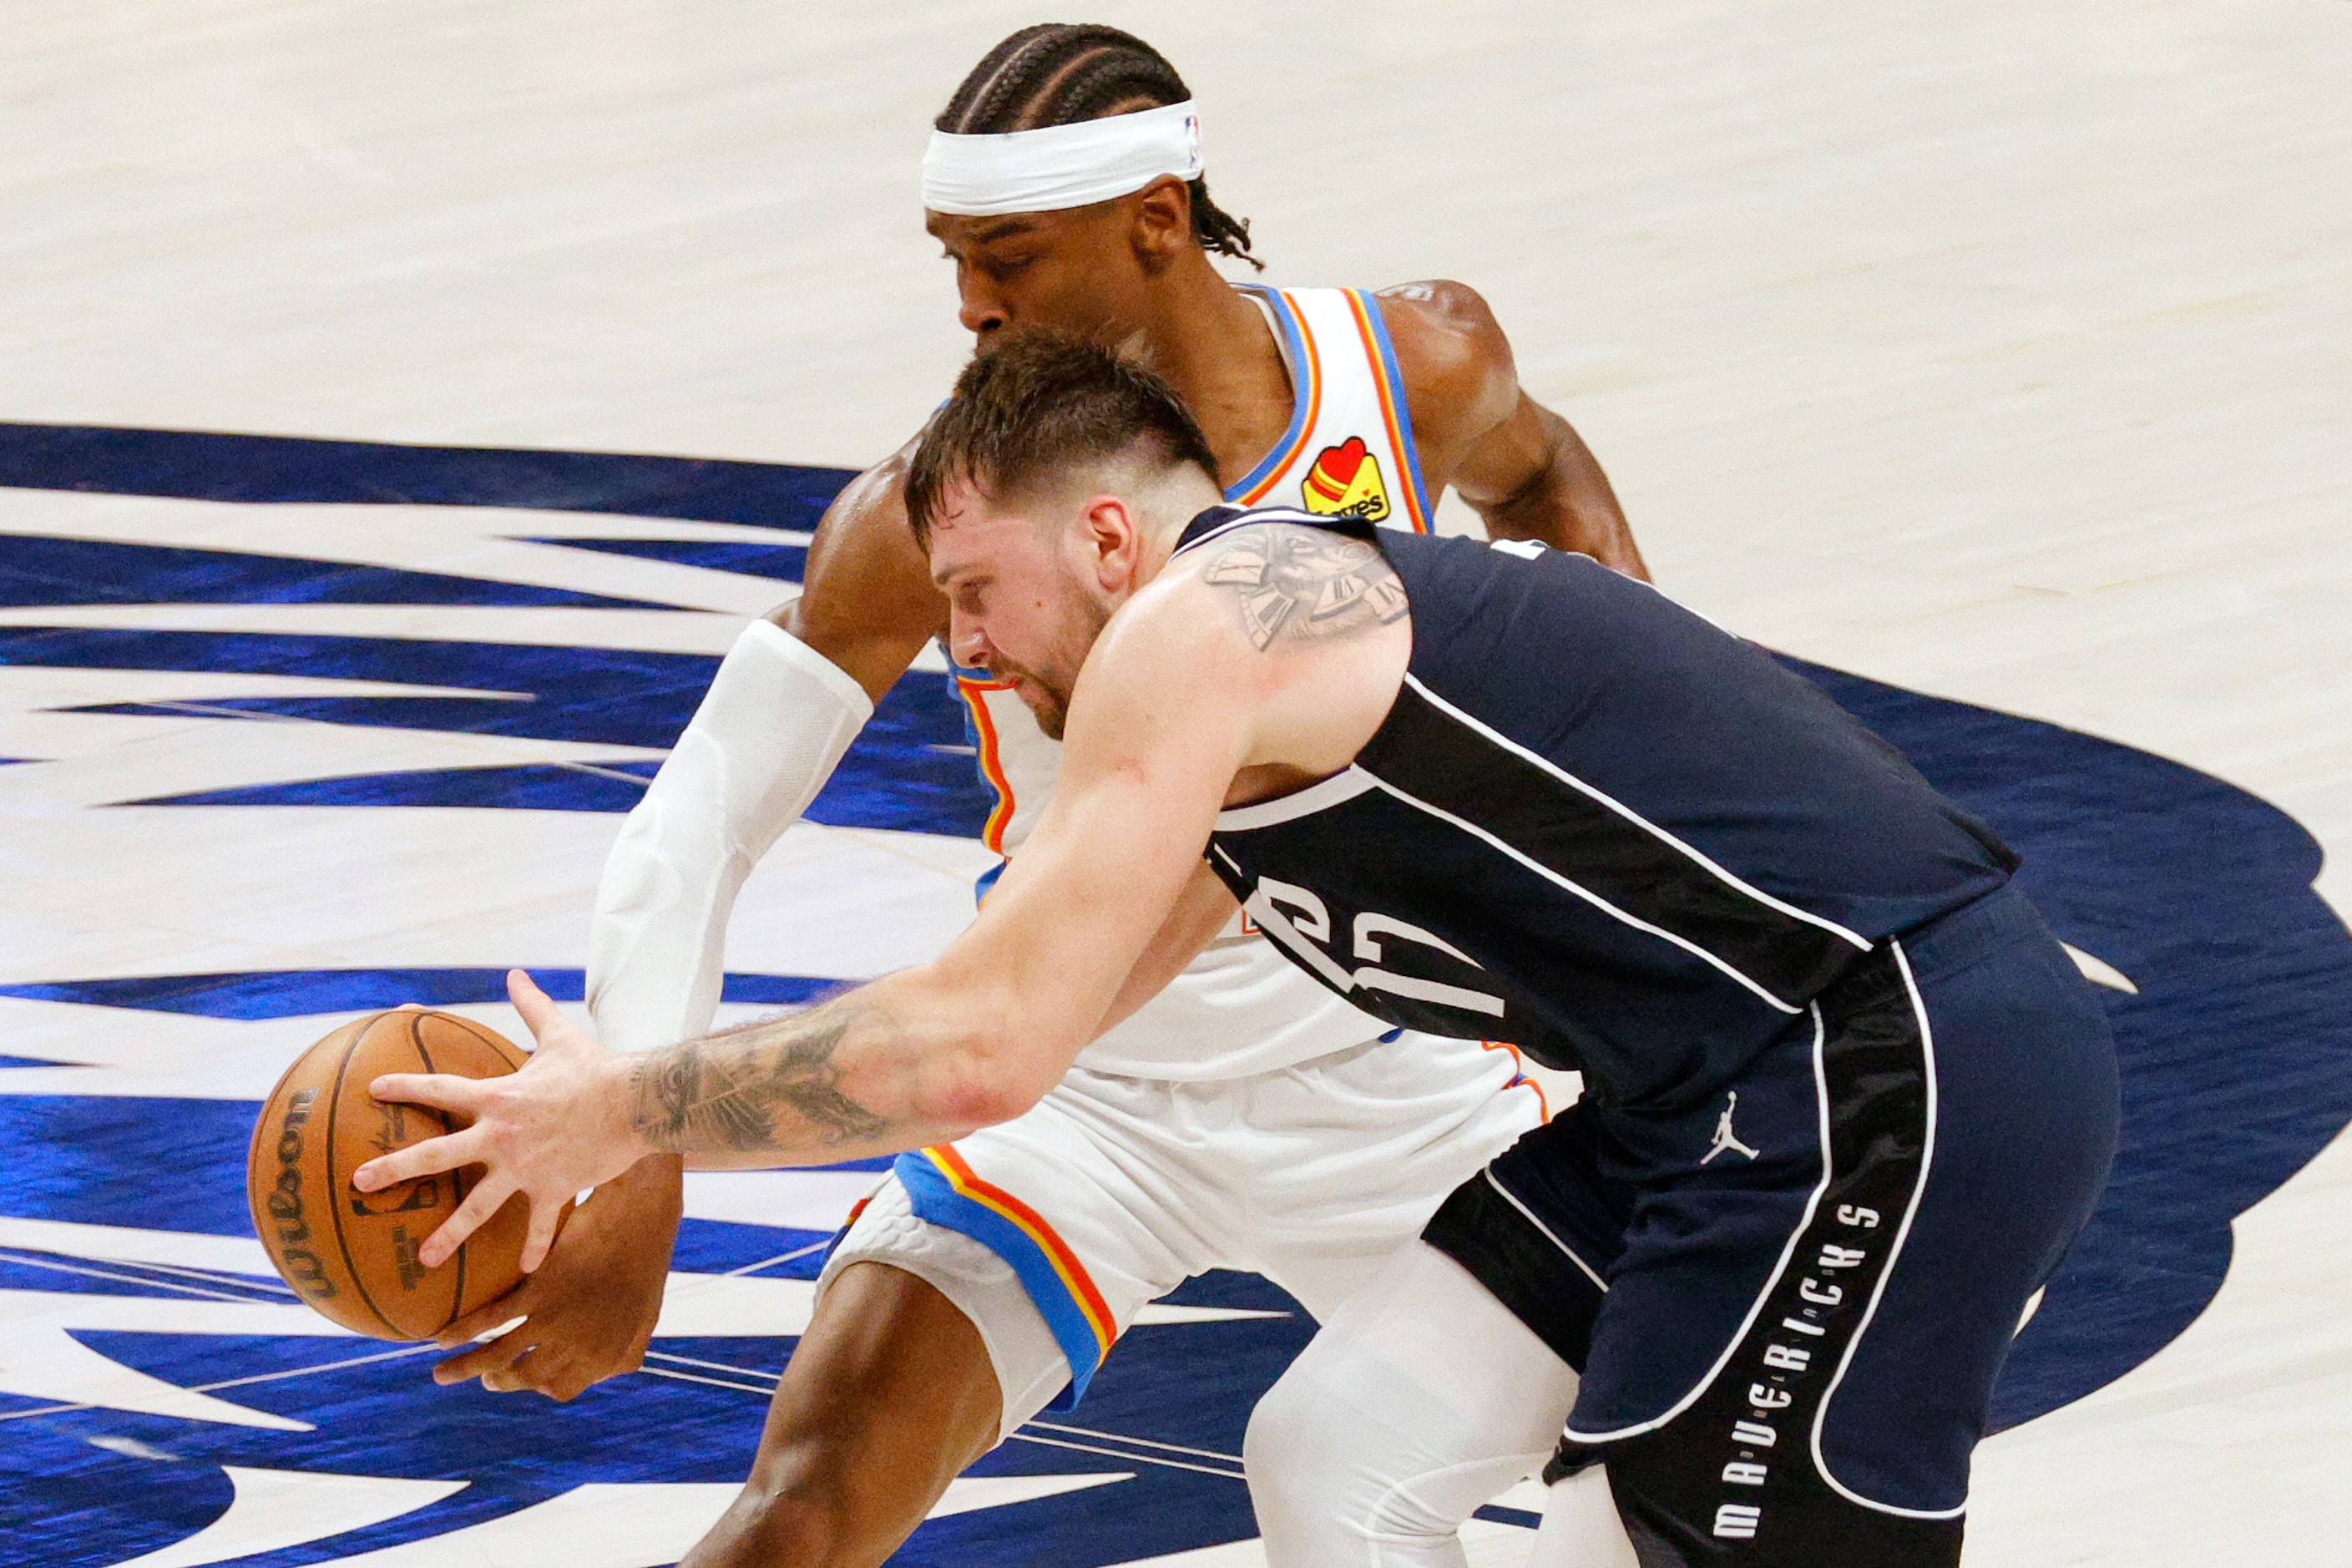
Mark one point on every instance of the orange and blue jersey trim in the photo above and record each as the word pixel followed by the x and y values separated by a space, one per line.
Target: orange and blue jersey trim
pixel 1396 409
pixel 1520 1079
pixel 973 686
pixel 1306 398
pixel 947 1193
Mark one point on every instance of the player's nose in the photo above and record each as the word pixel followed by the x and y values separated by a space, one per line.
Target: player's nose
pixel 979 309
pixel 967 644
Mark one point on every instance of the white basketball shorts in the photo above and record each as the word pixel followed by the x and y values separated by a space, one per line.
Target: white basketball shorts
pixel 1051 1231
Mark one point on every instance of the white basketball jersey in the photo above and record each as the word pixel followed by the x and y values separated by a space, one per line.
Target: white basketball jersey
pixel 1242 1007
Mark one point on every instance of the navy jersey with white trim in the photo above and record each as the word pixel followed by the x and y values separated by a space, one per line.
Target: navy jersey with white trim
pixel 1594 825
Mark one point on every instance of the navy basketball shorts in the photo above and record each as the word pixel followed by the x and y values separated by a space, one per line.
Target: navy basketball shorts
pixel 1789 1301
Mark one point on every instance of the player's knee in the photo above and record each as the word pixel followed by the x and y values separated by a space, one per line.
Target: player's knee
pixel 1295 1483
pixel 1279 1440
pixel 1322 1461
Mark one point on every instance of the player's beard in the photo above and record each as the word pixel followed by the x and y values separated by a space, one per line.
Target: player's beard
pixel 1049 703
pixel 1048 697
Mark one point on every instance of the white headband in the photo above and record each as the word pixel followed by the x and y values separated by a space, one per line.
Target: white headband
pixel 1061 166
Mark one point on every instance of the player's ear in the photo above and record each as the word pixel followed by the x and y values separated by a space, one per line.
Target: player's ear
pixel 1162 223
pixel 1114 537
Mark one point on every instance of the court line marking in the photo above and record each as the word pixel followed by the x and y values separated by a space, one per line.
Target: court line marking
pixel 706 1381
pixel 197 710
pixel 1146 1442
pixel 1024 1435
pixel 246 1381
pixel 767 1388
pixel 222 1277
pixel 1120 1453
pixel 709 1365
pixel 13 1256
pixel 780 1257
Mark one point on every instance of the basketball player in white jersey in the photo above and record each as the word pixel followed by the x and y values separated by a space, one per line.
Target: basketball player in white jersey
pixel 1246 1118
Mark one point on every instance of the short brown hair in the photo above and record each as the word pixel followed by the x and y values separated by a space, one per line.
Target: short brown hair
pixel 1036 404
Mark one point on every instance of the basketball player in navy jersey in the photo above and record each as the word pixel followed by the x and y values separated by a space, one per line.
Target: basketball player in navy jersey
pixel 1849 1101
pixel 989 1276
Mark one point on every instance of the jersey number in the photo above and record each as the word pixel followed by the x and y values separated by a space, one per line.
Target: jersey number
pixel 1299 920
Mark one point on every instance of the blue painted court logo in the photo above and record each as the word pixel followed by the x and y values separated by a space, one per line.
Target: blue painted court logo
pixel 161 1394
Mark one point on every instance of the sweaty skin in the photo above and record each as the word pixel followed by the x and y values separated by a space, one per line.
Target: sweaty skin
pixel 1126 272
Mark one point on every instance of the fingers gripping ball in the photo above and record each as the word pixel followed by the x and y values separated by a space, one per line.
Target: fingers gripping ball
pixel 352 1255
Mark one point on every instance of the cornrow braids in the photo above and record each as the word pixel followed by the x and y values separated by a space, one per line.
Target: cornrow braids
pixel 1060 73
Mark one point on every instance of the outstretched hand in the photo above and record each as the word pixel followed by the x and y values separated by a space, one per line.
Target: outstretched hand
pixel 559 1126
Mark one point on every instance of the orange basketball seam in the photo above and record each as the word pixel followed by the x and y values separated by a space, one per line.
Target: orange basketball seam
pixel 457 1177
pixel 499 1045
pixel 335 1195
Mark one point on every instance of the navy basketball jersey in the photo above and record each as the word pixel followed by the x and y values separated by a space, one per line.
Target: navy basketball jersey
pixel 1593 824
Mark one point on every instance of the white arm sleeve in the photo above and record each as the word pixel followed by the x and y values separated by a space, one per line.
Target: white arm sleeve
pixel 769 731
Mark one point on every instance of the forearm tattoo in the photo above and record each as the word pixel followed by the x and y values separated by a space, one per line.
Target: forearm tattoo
pixel 766 1086
pixel 1299 582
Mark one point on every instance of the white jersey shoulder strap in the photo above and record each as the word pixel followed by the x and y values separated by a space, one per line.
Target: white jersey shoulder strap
pixel 1349 449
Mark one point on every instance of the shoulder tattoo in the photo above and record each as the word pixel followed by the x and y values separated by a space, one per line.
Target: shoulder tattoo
pixel 1303 583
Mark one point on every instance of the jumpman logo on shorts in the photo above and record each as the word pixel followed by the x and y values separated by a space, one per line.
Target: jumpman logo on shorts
pixel 1725 1140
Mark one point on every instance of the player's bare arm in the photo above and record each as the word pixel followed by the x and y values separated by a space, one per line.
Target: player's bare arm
pixel 1285 671
pixel 1521 466
pixel 866 601
pixel 779 1092
pixel 916 1058
pixel 588 1312
pixel 784 1089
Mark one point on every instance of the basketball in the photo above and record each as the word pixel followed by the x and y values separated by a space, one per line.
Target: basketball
pixel 352 1255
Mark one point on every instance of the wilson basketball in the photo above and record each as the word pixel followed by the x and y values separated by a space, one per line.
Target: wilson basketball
pixel 352 1255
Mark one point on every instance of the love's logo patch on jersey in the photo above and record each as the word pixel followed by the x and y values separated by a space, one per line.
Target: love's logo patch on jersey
pixel 1346 482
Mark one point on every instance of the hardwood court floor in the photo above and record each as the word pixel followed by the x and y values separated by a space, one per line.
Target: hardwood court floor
pixel 1997 353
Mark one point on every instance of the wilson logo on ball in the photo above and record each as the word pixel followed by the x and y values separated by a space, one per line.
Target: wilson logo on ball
pixel 281 1204
pixel 353 1255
